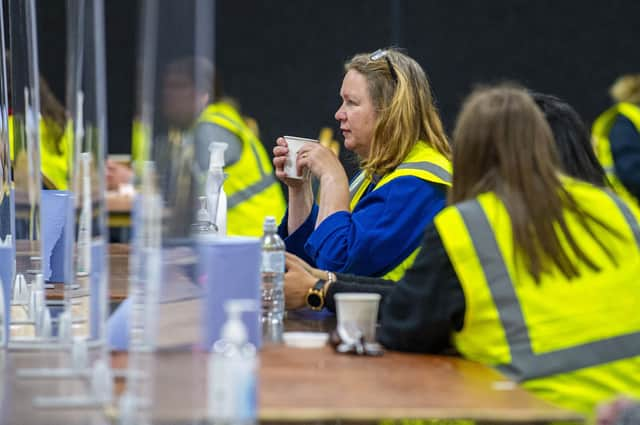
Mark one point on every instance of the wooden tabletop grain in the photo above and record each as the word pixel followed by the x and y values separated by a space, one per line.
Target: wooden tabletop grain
pixel 307 385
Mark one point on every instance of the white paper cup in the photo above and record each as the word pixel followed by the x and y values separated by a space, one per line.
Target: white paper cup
pixel 360 310
pixel 294 144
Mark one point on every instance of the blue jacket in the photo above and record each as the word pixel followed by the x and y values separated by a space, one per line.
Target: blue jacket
pixel 384 228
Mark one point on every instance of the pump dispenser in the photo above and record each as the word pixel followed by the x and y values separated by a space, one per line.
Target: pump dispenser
pixel 232 370
pixel 216 198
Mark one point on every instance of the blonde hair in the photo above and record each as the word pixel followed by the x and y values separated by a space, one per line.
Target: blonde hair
pixel 626 89
pixel 401 94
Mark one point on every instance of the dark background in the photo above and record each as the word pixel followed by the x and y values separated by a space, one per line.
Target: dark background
pixel 282 59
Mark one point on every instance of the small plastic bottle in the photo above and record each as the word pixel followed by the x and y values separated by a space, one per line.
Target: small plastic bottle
pixel 203 224
pixel 272 270
pixel 216 198
pixel 233 371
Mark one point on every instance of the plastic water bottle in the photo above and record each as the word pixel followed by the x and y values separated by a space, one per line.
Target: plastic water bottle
pixel 272 274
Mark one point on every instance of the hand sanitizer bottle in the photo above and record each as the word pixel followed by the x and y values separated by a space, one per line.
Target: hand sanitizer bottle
pixel 203 224
pixel 216 197
pixel 232 370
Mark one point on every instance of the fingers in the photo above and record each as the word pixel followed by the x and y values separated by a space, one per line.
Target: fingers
pixel 279 162
pixel 290 261
pixel 281 148
pixel 280 152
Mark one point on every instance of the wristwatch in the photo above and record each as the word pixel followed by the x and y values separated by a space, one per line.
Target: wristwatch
pixel 315 296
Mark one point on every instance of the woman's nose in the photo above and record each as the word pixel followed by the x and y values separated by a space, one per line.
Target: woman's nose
pixel 340 115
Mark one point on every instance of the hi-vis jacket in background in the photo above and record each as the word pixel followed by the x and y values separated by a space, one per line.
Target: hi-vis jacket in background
pixel 602 144
pixel 55 151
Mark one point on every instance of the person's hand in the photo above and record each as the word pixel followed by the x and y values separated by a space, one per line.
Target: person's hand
pixel 321 161
pixel 280 152
pixel 317 273
pixel 297 282
pixel 117 174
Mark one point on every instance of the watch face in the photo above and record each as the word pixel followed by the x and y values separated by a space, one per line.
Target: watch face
pixel 314 300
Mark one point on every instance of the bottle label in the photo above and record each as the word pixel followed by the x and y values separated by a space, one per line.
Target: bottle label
pixel 272 262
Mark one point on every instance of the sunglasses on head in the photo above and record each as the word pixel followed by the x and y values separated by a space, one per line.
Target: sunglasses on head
pixel 380 54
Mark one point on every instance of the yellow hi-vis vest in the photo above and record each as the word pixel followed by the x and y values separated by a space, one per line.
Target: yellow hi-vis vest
pixel 54 153
pixel 572 342
pixel 252 190
pixel 424 162
pixel 602 145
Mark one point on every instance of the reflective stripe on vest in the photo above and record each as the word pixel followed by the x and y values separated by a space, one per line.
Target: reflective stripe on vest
pixel 355 184
pixel 435 169
pixel 525 364
pixel 427 166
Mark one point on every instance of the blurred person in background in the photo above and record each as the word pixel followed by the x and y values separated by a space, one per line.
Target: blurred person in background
pixel 616 135
pixel 56 140
pixel 191 110
pixel 371 227
pixel 572 138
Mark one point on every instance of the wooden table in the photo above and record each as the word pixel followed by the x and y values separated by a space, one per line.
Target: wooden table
pixel 118 257
pixel 308 385
pixel 296 385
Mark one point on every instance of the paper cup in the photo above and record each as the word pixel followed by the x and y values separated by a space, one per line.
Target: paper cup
pixel 294 144
pixel 359 310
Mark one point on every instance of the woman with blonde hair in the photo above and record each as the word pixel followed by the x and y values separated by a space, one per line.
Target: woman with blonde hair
pixel 373 226
pixel 616 134
pixel 530 271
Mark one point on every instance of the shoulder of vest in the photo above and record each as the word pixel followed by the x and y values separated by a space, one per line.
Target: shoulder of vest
pixel 224 115
pixel 631 112
pixel 603 121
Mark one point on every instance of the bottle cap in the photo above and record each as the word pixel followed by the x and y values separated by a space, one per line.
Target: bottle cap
pixel 269 224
